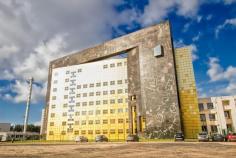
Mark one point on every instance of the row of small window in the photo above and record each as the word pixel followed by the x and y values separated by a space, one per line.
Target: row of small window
pixel 112 65
pixel 212 117
pixel 83 132
pixel 98 102
pixel 209 106
pixel 91 122
pixel 119 91
pixel 99 84
pixel 91 112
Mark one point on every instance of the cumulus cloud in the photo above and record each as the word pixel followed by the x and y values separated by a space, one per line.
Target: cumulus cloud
pixel 156 10
pixel 196 38
pixel 231 22
pixel 217 73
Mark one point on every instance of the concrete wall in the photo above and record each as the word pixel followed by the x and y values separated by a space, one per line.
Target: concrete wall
pixel 155 85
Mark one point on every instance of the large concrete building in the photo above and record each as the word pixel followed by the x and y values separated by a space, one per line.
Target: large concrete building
pixel 218 114
pixel 151 93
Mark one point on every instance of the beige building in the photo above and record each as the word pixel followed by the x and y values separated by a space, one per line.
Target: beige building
pixel 218 114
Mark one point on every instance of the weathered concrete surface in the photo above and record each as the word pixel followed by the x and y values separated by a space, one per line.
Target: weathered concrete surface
pixel 155 81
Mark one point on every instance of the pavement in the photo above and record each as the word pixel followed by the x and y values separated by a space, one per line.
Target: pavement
pixel 119 150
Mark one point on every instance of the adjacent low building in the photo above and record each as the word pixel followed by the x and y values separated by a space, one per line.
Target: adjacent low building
pixel 218 114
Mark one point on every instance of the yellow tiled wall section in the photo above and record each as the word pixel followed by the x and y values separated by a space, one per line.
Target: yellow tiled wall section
pixel 187 92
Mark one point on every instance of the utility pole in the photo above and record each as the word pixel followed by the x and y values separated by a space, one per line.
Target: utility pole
pixel 27 106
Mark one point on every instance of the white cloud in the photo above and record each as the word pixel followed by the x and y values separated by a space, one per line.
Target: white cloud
pixel 156 10
pixel 217 73
pixel 231 22
pixel 196 38
pixel 227 2
pixel 209 17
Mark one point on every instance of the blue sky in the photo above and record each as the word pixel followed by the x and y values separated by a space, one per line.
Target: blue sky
pixel 32 33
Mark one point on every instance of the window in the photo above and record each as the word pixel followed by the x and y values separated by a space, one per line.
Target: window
pixel 64 114
pixel 90 131
pixel 119 64
pixel 63 132
pixel 84 94
pixel 112 101
pixel 84 112
pixel 76 132
pixel 83 122
pixel 91 85
pixel 112 82
pixel 91 94
pixel 104 131
pixel 98 102
pixel 126 100
pixel 112 91
pixel 105 66
pixel 225 102
pixel 90 122
pixel 98 93
pixel 97 132
pixel 120 120
pixel 55 74
pixel 54 97
pixel 67 72
pixel 112 121
pixel 77 113
pixel 204 128
pixel 202 117
pixel 91 103
pixel 229 127
pixel 97 121
pixel 53 106
pixel 79 70
pixel 212 117
pixel 85 86
pixel 105 92
pixel 78 104
pixel 50 132
pixel 65 105
pixel 120 131
pixel 78 95
pixel 105 83
pixel 76 122
pixel 51 123
pixel 210 106
pixel 126 90
pixel 84 104
pixel 105 121
pixel 227 114
pixel 119 91
pixel 200 106
pixel 120 110
pixel 119 82
pixel 65 96
pixel 78 86
pixel 67 80
pixel 112 131
pixel 105 112
pixel 66 88
pixel 105 102
pixel 55 81
pixel 83 132
pixel 98 112
pixel 214 129
pixel 98 84
pixel 112 65
pixel 120 100
pixel 54 89
pixel 90 112
pixel 63 123
pixel 112 111
pixel 52 114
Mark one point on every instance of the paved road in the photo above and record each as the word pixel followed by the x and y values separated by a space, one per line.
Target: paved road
pixel 120 150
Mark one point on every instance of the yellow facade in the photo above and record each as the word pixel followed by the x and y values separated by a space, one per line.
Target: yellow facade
pixel 187 93
pixel 101 103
